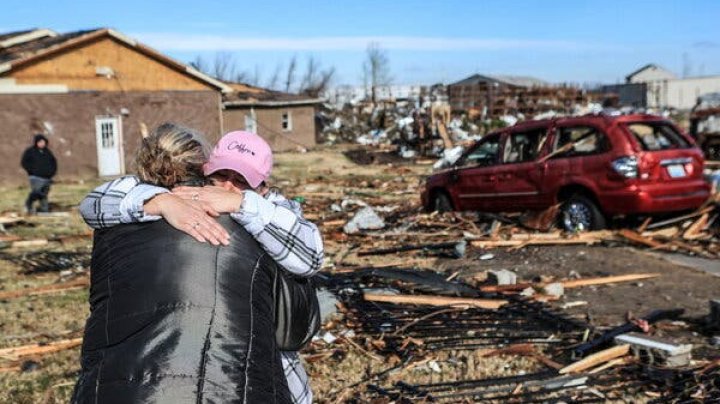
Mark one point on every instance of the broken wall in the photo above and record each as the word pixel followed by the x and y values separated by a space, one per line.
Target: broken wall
pixel 269 125
pixel 69 122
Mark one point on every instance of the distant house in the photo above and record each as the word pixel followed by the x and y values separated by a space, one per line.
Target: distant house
pixel 650 72
pixel 94 94
pixel 480 91
pixel 286 121
pixel 653 86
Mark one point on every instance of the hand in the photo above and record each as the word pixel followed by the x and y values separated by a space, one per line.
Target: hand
pixel 193 218
pixel 220 199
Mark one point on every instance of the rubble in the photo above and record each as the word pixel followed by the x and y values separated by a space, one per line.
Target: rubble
pixel 502 277
pixel 555 289
pixel 655 350
pixel 364 219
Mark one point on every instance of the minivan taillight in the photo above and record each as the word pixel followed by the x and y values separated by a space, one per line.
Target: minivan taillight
pixel 626 166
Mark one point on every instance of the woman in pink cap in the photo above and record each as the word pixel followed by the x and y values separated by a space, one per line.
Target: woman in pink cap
pixel 237 169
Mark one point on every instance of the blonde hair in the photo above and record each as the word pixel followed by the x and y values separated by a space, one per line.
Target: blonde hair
pixel 172 154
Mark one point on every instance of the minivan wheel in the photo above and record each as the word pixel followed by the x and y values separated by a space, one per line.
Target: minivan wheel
pixel 579 213
pixel 441 202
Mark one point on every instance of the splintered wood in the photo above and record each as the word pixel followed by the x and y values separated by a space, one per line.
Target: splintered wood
pixel 80 283
pixel 436 301
pixel 19 352
pixel 596 359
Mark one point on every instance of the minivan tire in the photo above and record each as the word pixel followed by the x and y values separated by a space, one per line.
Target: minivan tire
pixel 580 213
pixel 441 202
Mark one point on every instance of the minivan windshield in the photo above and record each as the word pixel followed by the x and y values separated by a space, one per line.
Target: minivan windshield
pixel 654 136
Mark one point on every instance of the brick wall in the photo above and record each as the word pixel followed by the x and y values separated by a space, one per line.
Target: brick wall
pixel 269 125
pixel 69 121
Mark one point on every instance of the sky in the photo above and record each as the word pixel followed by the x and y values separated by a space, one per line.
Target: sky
pixel 427 42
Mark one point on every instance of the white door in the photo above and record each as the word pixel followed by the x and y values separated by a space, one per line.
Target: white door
pixel 109 146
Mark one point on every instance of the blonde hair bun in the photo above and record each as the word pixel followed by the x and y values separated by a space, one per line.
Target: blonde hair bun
pixel 170 155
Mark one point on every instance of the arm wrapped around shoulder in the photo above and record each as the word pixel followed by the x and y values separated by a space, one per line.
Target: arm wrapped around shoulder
pixel 297 311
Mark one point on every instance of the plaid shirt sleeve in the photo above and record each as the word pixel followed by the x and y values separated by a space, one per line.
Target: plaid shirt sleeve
pixel 118 201
pixel 297 378
pixel 277 223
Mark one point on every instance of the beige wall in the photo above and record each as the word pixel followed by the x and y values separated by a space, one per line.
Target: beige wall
pixel 269 125
pixel 69 121
pixel 134 71
pixel 651 74
pixel 680 93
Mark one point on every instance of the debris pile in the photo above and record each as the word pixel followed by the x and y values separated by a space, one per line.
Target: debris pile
pixel 424 330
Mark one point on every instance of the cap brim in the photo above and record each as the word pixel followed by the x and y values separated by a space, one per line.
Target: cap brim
pixel 253 178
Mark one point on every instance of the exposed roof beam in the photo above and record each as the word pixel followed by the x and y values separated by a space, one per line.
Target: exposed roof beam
pixel 250 103
pixel 27 37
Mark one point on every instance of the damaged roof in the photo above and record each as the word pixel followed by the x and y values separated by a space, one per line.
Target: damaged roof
pixel 245 95
pixel 517 81
pixel 23 47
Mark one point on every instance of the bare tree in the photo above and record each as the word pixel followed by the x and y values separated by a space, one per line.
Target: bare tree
pixel 241 77
pixel 256 77
pixel 377 65
pixel 224 66
pixel 365 78
pixel 310 73
pixel 272 82
pixel 315 79
pixel 290 77
pixel 200 64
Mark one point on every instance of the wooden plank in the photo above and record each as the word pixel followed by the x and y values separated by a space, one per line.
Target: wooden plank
pixel 521 240
pixel 47 289
pixel 596 359
pixel 695 230
pixel 16 353
pixel 29 243
pixel 576 283
pixel 436 300
pixel 644 225
pixel 639 239
pixel 680 218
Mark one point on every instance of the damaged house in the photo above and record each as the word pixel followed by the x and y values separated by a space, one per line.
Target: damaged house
pixel 492 96
pixel 285 121
pixel 96 93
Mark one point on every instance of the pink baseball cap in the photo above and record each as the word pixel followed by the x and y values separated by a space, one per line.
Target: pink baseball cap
pixel 243 152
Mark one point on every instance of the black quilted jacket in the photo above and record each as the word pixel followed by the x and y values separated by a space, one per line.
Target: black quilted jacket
pixel 177 321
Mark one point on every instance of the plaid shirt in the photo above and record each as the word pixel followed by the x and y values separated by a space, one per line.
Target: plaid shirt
pixel 276 222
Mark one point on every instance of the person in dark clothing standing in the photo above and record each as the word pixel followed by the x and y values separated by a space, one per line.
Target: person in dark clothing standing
pixel 41 166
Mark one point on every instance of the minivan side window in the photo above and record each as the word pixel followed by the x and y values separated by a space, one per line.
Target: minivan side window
pixel 484 154
pixel 524 146
pixel 580 141
pixel 657 136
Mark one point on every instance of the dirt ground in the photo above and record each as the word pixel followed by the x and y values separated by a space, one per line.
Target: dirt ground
pixel 321 177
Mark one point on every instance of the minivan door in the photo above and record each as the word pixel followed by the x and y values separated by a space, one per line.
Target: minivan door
pixel 476 177
pixel 519 175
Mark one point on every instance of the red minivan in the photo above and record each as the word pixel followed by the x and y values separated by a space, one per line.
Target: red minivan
pixel 597 166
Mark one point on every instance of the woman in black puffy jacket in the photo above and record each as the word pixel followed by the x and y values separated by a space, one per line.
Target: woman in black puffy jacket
pixel 178 321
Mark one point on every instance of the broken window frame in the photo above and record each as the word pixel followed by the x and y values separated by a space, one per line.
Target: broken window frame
pixel 536 150
pixel 466 161
pixel 667 132
pixel 602 142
